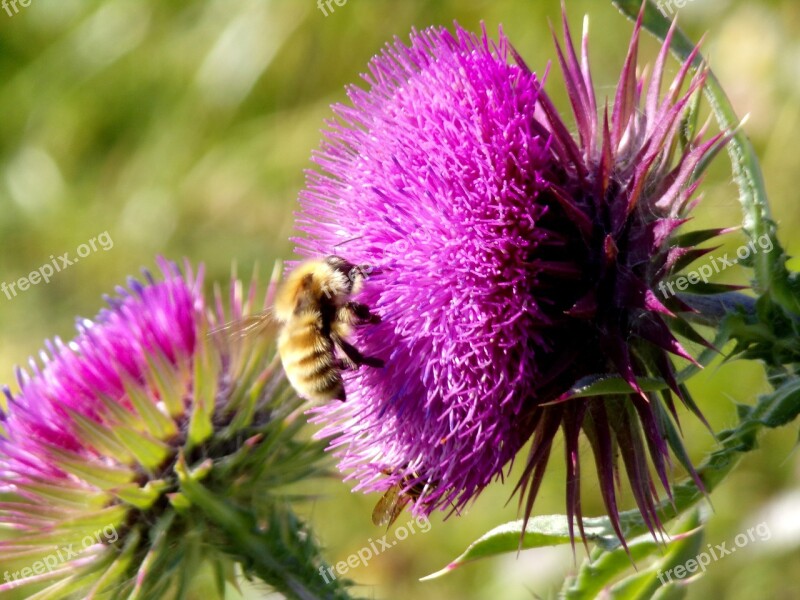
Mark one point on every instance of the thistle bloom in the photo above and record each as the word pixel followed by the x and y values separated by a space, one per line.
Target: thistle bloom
pixel 131 453
pixel 511 263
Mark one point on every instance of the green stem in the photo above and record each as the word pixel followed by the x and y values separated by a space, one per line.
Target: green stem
pixel 281 552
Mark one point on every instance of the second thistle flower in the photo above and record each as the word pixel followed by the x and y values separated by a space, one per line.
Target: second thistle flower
pixel 153 448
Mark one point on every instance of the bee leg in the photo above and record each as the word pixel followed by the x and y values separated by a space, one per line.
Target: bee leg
pixel 355 312
pixel 340 395
pixel 344 364
pixel 352 353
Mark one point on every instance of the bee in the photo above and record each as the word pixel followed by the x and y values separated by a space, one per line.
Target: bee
pixel 316 315
pixel 394 500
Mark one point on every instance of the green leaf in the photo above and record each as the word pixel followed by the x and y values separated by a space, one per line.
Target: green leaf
pixel 60 589
pixel 101 437
pixel 671 591
pixel 141 497
pixel 772 410
pixel 642 586
pixel 598 575
pixel 64 496
pixel 541 531
pixel 111 515
pixel 603 567
pixel 781 406
pixel 225 574
pixel 689 121
pixel 610 384
pixel 149 578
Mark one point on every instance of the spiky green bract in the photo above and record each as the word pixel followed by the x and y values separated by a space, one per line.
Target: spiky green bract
pixel 149 457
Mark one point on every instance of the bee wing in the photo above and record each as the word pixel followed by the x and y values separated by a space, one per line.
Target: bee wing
pixel 389 506
pixel 260 322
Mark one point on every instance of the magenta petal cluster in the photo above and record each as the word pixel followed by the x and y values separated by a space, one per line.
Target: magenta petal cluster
pixel 435 172
pixel 77 378
pixel 511 260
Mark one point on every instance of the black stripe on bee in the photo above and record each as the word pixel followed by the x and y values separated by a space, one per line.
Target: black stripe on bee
pixel 320 356
pixel 324 386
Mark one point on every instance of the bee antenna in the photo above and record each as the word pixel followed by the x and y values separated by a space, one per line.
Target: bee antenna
pixel 348 241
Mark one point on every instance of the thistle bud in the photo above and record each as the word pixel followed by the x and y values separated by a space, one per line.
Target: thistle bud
pixel 152 448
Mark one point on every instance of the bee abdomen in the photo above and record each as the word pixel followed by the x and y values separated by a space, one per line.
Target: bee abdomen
pixel 308 360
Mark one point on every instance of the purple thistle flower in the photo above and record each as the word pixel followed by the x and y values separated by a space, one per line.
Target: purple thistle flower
pixel 122 447
pixel 510 263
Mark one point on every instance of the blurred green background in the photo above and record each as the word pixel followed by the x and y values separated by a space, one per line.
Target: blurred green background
pixel 183 128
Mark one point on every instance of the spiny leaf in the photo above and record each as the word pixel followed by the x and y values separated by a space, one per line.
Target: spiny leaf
pixel 63 495
pixel 148 577
pixel 59 590
pixel 689 121
pixel 772 410
pixel 111 515
pixel 684 283
pixel 643 585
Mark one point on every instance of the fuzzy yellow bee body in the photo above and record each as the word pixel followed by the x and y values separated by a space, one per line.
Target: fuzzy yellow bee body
pixel 315 308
